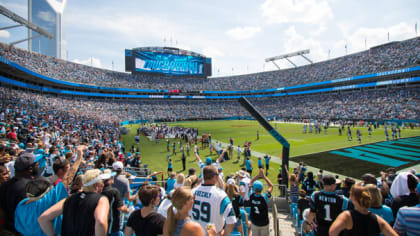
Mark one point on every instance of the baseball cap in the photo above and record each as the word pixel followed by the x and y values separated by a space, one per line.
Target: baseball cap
pixel 209 160
pixel 241 173
pixel 118 165
pixel 328 180
pixel 97 179
pixel 110 173
pixel 220 168
pixel 25 160
pixel 231 182
pixel 258 186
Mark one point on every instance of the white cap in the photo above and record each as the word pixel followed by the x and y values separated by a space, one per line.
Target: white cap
pixel 97 179
pixel 231 182
pixel 117 165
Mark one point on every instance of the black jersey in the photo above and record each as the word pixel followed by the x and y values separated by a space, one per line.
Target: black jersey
pixel 327 207
pixel 78 214
pixel 237 202
pixel 259 209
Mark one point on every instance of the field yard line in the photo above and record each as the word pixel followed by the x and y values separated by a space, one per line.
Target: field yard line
pixel 278 160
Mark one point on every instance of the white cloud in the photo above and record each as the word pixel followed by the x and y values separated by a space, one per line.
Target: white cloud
pixel 242 33
pixel 355 41
pixel 46 16
pixel 4 34
pixel 212 52
pixel 296 42
pixel 302 11
pixel 93 61
pixel 376 36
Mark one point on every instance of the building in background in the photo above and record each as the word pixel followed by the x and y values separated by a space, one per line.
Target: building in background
pixel 47 14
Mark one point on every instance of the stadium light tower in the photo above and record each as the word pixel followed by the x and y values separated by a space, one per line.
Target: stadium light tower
pixel 22 22
pixel 286 56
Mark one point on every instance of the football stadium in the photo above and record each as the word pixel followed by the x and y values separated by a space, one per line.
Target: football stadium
pixel 166 145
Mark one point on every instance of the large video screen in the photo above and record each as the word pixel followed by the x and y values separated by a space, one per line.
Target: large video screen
pixel 169 64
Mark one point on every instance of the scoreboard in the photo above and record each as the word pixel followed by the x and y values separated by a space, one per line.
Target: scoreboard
pixel 167 61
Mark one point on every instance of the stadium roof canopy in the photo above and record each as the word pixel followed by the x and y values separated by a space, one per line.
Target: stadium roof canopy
pixel 23 22
pixel 171 50
pixel 286 56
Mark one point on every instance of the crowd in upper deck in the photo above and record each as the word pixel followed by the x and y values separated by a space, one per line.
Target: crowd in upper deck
pixel 387 57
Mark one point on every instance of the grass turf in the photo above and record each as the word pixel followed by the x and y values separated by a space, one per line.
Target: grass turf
pixel 300 144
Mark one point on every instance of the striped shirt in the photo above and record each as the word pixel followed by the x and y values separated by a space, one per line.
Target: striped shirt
pixel 408 221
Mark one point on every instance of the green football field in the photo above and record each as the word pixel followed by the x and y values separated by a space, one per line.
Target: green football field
pixel 300 145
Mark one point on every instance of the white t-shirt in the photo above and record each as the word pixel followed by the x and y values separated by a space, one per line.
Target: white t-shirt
pixel 212 205
pixel 164 206
pixel 244 187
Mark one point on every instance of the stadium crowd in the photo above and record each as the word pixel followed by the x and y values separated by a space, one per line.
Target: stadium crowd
pixel 62 171
pixel 386 57
pixel 380 104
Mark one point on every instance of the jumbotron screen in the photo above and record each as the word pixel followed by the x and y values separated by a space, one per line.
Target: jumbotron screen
pixel 168 62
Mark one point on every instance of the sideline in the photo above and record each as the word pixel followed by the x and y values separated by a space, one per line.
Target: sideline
pixel 292 164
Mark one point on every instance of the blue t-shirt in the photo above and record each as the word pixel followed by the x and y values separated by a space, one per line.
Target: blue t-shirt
pixel 170 185
pixel 26 215
pixel 260 164
pixel 267 160
pixel 169 165
pixel 384 212
pixel 248 165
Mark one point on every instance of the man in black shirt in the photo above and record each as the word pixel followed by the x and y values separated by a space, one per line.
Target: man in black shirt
pixel 259 205
pixel 84 213
pixel 326 205
pixel 13 191
pixel 116 203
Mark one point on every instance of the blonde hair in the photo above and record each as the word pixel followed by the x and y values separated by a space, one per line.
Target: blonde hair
pixel 180 196
pixel 361 195
pixel 375 194
pixel 292 178
pixel 180 178
pixel 88 176
pixel 231 191
pixel 190 181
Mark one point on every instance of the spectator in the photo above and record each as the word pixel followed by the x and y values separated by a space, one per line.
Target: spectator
pixel 407 219
pixel 237 203
pixel 303 202
pixel 84 213
pixel 146 221
pixel 41 195
pixel 406 200
pixel 259 205
pixel 309 184
pixel 180 223
pixel 360 221
pixel 116 203
pixel 376 205
pixel 213 205
pixel 179 180
pixel 13 191
pixel 121 182
pixel 326 205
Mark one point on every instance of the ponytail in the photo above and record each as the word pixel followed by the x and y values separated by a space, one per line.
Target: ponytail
pixel 171 220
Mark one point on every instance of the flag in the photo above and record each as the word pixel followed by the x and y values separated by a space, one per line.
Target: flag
pixel 415 28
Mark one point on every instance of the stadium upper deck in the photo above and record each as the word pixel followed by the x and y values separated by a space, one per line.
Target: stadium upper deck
pixel 395 55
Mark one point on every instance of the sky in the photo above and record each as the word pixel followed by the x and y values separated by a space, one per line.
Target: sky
pixel 238 35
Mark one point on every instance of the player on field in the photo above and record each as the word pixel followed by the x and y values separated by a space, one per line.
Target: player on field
pixel 212 205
